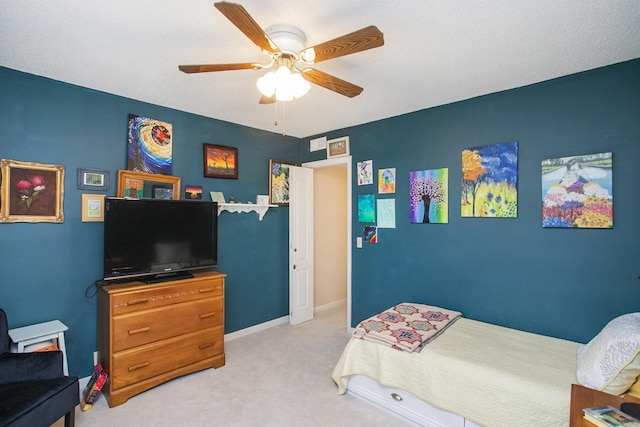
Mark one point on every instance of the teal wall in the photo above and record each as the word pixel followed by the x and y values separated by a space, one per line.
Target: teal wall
pixel 45 268
pixel 562 282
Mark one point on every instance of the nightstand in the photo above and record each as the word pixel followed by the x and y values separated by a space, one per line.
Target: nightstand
pixel 41 333
pixel 584 397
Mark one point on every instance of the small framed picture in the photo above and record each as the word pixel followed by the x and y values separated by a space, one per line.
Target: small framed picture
pixel 93 208
pixel 220 161
pixel 193 192
pixel 93 179
pixel 217 196
pixel 164 192
pixel 338 147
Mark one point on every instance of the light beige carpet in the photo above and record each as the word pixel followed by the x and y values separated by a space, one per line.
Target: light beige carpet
pixel 277 377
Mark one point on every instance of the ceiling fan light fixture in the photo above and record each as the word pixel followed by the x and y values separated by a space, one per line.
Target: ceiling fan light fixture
pixel 286 83
pixel 267 84
pixel 300 85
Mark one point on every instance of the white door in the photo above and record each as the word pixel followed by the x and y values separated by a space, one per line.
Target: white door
pixel 300 244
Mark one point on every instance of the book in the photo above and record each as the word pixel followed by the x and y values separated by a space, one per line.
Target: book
pixel 608 416
pixel 92 389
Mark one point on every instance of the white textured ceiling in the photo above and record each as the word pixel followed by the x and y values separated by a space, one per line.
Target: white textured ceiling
pixel 436 51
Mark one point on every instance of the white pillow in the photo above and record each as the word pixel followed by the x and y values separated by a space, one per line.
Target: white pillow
pixel 611 361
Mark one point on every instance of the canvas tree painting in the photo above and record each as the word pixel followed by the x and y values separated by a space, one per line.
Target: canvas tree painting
pixel 577 191
pixel 490 181
pixel 428 196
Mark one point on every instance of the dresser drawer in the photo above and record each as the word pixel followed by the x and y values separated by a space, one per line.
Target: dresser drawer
pixel 152 296
pixel 147 326
pixel 132 366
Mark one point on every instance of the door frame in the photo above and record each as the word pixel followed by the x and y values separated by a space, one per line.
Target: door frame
pixel 346 160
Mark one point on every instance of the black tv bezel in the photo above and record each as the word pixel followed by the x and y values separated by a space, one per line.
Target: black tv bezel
pixel 160 275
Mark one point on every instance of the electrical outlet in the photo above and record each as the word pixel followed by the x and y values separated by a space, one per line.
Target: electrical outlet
pixel 96 357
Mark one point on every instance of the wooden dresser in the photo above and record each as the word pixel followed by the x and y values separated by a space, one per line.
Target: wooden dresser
pixel 149 334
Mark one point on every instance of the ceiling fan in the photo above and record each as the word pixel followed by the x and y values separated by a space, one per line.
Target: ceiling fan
pixel 285 46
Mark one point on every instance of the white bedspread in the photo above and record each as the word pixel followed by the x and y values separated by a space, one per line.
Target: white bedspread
pixel 491 375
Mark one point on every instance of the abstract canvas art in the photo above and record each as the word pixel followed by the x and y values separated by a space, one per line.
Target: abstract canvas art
pixel 386 213
pixel 366 208
pixel 577 191
pixel 387 180
pixel 490 181
pixel 365 172
pixel 149 146
pixel 428 196
pixel 370 234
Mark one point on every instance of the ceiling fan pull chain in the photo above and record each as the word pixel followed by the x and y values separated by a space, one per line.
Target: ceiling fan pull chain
pixel 284 119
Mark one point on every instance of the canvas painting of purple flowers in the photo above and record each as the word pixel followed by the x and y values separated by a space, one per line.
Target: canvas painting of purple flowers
pixel 577 191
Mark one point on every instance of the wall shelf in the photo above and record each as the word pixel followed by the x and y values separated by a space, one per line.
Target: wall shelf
pixel 245 207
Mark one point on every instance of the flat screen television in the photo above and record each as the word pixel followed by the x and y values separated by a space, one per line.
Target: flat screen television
pixel 155 240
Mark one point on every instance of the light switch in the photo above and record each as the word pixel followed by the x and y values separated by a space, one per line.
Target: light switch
pixel 359 242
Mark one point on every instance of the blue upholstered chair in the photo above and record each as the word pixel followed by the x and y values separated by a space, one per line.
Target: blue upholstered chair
pixel 33 389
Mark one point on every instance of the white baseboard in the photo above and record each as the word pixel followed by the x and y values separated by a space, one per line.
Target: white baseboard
pixel 330 305
pixel 256 328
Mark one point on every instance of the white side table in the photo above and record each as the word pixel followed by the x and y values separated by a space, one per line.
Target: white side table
pixel 40 333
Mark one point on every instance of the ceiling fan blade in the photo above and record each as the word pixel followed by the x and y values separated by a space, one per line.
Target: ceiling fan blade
pixel 267 99
pixel 366 38
pixel 245 23
pixel 331 82
pixel 205 68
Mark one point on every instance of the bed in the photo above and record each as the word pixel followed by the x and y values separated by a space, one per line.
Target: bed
pixel 472 373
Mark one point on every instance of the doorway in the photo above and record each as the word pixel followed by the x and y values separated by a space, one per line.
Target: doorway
pixel 332 235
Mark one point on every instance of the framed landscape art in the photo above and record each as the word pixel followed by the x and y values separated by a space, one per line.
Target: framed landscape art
pixel 93 208
pixel 220 161
pixel 93 179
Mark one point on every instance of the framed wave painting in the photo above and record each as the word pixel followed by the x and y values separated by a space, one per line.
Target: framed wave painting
pixel 577 191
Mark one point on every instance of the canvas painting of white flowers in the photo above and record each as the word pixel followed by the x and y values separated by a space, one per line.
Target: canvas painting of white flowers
pixel 577 191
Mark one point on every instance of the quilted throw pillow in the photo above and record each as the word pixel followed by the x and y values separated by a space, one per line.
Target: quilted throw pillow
pixel 611 361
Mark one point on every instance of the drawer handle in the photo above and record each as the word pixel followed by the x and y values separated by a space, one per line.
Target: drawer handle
pixel 138 301
pixel 139 330
pixel 203 346
pixel 205 290
pixel 396 397
pixel 205 315
pixel 140 366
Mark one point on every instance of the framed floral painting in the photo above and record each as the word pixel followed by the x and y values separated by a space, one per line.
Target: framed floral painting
pixel 279 182
pixel 31 192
